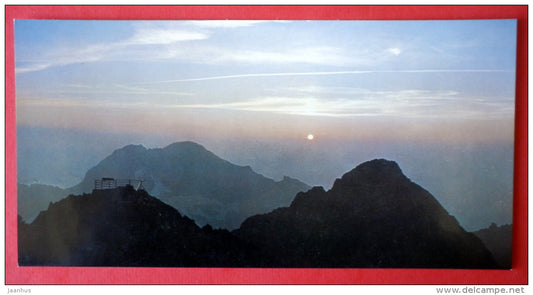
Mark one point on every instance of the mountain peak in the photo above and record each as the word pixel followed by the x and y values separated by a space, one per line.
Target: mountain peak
pixel 190 150
pixel 131 148
pixel 184 145
pixel 196 181
pixel 374 216
pixel 379 164
pixel 374 172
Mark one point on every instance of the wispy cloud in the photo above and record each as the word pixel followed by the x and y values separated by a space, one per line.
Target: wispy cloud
pixel 102 93
pixel 159 36
pixel 394 50
pixel 308 106
pixel 412 104
pixel 33 67
pixel 222 42
pixel 164 41
pixel 143 36
pixel 147 34
pixel 144 92
pixel 325 73
pixel 321 55
pixel 258 75
pixel 65 56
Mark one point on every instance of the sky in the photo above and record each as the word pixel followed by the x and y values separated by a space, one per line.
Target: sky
pixel 438 97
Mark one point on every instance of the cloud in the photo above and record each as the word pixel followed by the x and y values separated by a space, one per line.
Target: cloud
pixel 257 75
pixel 322 55
pixel 305 100
pixel 308 106
pixel 394 51
pixel 126 89
pixel 144 35
pixel 100 94
pixel 32 67
pixel 165 41
pixel 410 104
pixel 213 53
pixel 323 73
pixel 162 37
pixel 65 56
pixel 205 43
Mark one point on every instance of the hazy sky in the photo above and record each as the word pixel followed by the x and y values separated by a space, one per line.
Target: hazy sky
pixel 284 79
pixel 356 85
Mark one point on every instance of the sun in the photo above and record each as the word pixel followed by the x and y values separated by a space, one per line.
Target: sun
pixel 310 137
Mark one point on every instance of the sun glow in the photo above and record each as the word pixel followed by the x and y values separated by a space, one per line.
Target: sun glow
pixel 310 137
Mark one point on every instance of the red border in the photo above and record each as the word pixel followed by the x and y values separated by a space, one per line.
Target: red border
pixel 80 275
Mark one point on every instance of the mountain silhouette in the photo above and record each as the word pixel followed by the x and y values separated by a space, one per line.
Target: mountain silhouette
pixel 123 227
pixel 499 241
pixel 373 216
pixel 195 181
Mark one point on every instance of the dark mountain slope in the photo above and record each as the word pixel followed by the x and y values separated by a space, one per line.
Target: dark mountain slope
pixel 196 182
pixel 373 216
pixel 499 241
pixel 123 227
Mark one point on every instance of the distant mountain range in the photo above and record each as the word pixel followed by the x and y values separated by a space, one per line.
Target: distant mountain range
pixel 373 216
pixel 188 177
pixel 32 199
